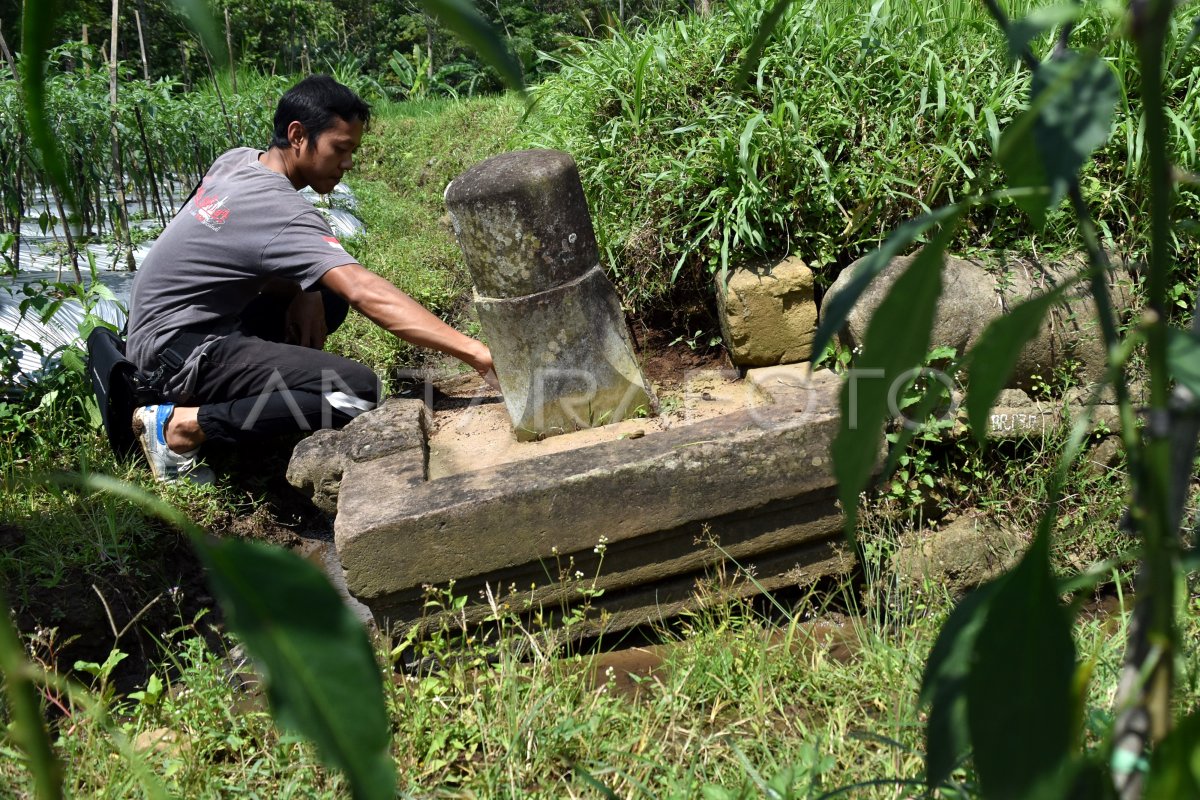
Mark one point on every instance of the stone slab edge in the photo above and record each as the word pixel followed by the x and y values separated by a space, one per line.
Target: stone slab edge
pixel 652 604
pixel 631 566
pixel 388 539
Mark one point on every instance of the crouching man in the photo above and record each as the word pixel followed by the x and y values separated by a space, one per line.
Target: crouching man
pixel 231 307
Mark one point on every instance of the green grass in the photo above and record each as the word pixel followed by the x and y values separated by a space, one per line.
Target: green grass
pixel 412 151
pixel 742 700
pixel 860 116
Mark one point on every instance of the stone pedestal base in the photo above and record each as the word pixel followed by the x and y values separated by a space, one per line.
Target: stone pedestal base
pixel 642 520
pixel 566 362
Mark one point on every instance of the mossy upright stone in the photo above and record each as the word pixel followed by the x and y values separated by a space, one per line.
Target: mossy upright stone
pixel 561 347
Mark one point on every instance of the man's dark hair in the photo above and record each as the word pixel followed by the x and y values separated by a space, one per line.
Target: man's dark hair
pixel 314 102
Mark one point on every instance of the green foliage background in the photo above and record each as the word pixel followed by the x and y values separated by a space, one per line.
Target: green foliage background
pixel 859 117
pixel 289 36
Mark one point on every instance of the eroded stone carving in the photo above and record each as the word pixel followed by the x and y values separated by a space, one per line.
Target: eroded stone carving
pixel 552 318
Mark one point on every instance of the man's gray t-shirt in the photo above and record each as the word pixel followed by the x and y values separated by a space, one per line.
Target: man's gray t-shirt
pixel 245 225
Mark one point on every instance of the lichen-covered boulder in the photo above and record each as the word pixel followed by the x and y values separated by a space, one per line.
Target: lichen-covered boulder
pixel 959 557
pixel 976 291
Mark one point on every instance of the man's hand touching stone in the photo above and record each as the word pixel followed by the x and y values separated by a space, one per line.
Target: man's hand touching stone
pixel 481 362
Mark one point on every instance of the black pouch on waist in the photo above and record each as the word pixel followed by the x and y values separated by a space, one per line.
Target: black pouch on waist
pixel 119 387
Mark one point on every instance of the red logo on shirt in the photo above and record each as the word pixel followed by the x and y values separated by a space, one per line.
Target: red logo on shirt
pixel 332 242
pixel 209 210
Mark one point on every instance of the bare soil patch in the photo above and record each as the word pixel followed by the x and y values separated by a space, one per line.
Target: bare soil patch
pixel 472 429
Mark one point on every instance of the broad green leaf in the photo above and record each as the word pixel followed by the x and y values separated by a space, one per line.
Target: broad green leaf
pixel 1175 763
pixel 766 28
pixel 837 309
pixel 1070 114
pixel 897 339
pixel 316 660
pixel 943 686
pixel 37 33
pixel 200 18
pixel 995 354
pixel 1019 701
pixel 1087 781
pixel 464 19
pixel 321 676
pixel 74 360
pixel 1022 31
pixel 1183 358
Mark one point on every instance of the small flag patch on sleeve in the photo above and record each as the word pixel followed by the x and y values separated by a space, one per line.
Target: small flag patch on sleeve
pixel 332 242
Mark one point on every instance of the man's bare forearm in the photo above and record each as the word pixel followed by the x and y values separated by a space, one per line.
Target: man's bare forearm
pixel 394 311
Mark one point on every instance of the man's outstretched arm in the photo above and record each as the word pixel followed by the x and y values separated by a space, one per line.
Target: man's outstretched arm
pixel 396 312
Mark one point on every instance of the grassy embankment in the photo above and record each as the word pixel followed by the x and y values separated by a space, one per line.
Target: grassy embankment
pixel 412 152
pixel 736 702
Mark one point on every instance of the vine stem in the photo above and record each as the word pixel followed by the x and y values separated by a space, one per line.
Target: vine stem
pixel 1144 693
pixel 1160 460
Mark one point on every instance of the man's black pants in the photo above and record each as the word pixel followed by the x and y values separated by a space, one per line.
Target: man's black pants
pixel 253 385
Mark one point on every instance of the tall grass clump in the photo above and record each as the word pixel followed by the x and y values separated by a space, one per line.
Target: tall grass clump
pixel 859 115
pixel 401 170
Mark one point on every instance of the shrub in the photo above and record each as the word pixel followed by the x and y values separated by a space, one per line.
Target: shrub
pixel 858 117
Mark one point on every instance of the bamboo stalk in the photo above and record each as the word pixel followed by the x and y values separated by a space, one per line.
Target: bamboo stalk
pixel 20 201
pixel 72 250
pixel 220 97
pixel 84 198
pixel 12 65
pixel 158 205
pixel 118 178
pixel 187 73
pixel 8 56
pixel 229 50
pixel 137 17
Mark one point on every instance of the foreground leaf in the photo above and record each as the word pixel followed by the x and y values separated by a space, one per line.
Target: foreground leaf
pixel 995 354
pixel 200 18
pixel 1019 699
pixel 944 686
pixel 897 339
pixel 1021 32
pixel 321 676
pixel 27 729
pixel 464 19
pixel 37 34
pixel 1175 764
pixel 835 311
pixel 1070 115
pixel 766 29
pixel 1183 359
